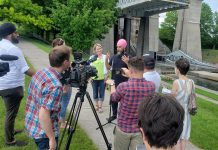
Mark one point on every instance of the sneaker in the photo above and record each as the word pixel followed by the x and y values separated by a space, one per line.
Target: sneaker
pixel 112 118
pixel 17 143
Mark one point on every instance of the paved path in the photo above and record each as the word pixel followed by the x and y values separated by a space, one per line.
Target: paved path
pixel 87 122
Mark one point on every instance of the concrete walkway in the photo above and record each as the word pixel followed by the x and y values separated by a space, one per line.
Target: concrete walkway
pixel 87 121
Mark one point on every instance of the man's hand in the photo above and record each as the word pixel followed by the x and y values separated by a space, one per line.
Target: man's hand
pixel 125 72
pixel 52 144
pixel 125 59
pixel 109 82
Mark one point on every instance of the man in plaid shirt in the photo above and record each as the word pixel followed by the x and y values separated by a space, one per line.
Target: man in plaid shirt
pixel 127 134
pixel 43 100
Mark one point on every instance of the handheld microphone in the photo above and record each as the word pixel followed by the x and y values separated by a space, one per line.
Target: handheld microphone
pixel 8 57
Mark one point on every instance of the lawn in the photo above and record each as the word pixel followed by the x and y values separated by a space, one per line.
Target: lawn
pixel 210 55
pixel 204 127
pixel 79 141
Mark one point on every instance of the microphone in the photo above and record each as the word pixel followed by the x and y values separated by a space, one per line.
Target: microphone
pixel 8 57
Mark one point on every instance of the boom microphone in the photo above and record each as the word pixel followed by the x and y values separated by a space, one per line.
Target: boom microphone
pixel 8 57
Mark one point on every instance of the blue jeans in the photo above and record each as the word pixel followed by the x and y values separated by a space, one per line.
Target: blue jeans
pixel 43 143
pixel 64 103
pixel 98 87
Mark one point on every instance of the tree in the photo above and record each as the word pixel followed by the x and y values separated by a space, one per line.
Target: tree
pixel 81 22
pixel 24 12
pixel 168 28
pixel 215 31
pixel 206 26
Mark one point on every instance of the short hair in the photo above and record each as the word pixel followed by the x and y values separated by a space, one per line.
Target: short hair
pixel 137 63
pixel 95 45
pixel 58 55
pixel 58 42
pixel 149 62
pixel 161 118
pixel 182 65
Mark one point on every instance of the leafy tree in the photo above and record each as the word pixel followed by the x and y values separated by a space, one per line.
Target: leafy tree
pixel 80 22
pixel 168 28
pixel 215 32
pixel 206 26
pixel 24 12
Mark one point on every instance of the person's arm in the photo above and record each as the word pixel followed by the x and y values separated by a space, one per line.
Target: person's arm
pixel 107 62
pixel 125 59
pixel 174 88
pixel 30 72
pixel 116 94
pixel 46 125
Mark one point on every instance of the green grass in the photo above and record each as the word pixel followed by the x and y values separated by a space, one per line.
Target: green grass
pixel 207 94
pixel 80 139
pixel 204 127
pixel 210 55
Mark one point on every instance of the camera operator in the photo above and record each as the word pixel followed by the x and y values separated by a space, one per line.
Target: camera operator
pixel 117 62
pixel 160 121
pixel 43 100
pixel 11 84
pixel 130 94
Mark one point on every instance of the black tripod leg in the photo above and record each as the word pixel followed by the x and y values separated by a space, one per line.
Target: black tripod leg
pixel 110 103
pixel 70 119
pixel 98 121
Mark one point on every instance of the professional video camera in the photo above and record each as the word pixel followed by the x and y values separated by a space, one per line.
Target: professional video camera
pixel 81 71
pixel 4 66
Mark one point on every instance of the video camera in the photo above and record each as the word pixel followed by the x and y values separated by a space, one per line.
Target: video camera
pixel 4 66
pixel 80 71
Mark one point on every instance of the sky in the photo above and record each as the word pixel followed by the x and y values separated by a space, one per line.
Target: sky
pixel 212 3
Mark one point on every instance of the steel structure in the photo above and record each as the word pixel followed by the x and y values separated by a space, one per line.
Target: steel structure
pixel 142 8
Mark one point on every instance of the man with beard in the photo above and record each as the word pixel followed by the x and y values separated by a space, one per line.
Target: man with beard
pixel 11 84
pixel 115 63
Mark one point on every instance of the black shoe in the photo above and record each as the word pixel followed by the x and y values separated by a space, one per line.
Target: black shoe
pixel 17 131
pixel 112 118
pixel 17 143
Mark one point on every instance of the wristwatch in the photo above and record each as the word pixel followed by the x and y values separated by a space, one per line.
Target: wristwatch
pixel 112 84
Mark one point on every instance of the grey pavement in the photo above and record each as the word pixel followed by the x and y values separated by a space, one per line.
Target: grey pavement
pixel 87 121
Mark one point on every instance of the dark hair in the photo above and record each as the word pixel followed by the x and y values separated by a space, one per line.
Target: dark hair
pixel 58 55
pixel 57 42
pixel 149 62
pixel 137 63
pixel 7 29
pixel 161 118
pixel 182 65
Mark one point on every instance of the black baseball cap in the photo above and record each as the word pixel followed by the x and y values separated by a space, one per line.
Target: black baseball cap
pixel 149 62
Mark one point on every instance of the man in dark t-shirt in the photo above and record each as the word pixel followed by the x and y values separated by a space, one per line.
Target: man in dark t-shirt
pixel 117 62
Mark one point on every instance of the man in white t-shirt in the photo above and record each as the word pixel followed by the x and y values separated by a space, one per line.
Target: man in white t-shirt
pixel 11 84
pixel 149 72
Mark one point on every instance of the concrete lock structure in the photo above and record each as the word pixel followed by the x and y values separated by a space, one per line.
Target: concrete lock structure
pixel 187 36
pixel 138 23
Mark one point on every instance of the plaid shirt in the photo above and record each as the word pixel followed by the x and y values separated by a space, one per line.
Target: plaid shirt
pixel 45 91
pixel 130 94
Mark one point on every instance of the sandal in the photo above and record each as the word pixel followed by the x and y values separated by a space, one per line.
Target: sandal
pixel 96 107
pixel 100 110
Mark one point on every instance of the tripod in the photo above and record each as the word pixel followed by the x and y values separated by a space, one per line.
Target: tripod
pixel 109 121
pixel 74 116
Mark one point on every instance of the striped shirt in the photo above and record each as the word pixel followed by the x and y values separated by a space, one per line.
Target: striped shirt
pixel 45 91
pixel 130 94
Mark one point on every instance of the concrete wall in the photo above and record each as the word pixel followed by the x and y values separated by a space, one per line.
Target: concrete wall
pixel 187 36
